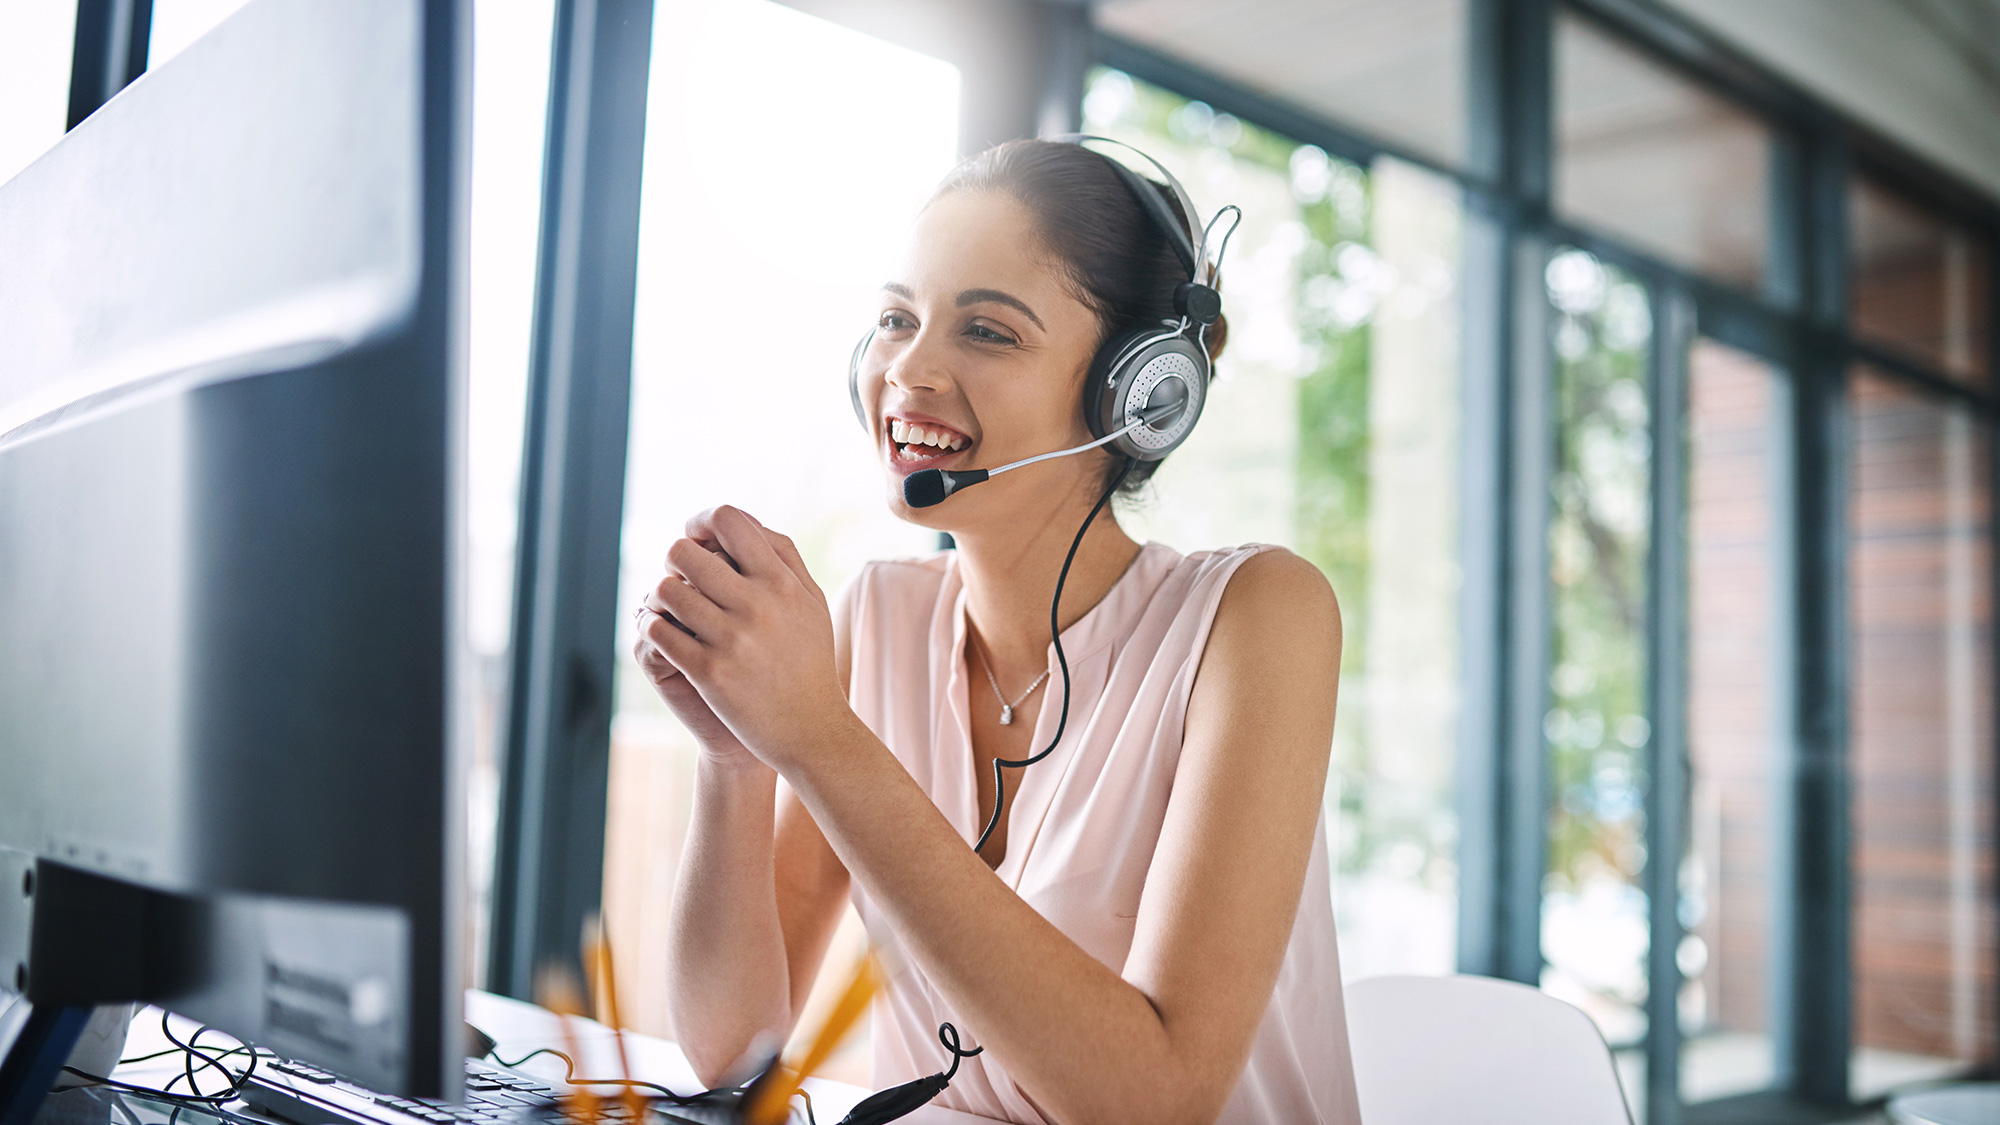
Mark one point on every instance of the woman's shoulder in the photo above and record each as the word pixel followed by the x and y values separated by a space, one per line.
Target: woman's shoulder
pixel 1260 566
pixel 1274 590
pixel 1265 583
pixel 915 570
pixel 889 584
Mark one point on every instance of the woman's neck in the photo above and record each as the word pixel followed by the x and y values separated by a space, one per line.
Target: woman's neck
pixel 1010 577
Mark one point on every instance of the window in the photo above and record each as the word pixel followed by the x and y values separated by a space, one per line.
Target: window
pixel 1646 155
pixel 1594 904
pixel 510 84
pixel 1392 69
pixel 177 23
pixel 37 41
pixel 785 157
pixel 1920 567
pixel 1332 429
pixel 1735 723
pixel 1921 284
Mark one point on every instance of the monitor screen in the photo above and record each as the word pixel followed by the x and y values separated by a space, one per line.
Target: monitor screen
pixel 228 522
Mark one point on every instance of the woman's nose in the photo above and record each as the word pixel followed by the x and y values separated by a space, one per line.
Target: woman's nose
pixel 918 367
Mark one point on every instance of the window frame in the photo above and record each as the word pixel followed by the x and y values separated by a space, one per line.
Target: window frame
pixel 1798 323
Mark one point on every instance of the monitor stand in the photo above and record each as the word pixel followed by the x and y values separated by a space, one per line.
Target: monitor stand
pixel 71 940
pixel 35 1041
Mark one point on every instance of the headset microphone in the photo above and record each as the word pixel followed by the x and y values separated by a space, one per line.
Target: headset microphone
pixel 927 487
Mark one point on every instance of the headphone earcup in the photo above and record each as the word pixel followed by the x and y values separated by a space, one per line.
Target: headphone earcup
pixel 854 379
pixel 1141 369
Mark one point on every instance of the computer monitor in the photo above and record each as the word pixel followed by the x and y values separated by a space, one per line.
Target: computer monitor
pixel 231 310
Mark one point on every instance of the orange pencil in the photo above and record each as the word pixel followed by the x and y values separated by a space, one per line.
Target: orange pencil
pixel 597 947
pixel 770 1105
pixel 556 991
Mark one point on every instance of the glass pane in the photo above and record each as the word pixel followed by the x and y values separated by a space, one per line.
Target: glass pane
pixel 1921 285
pixel 510 83
pixel 1647 156
pixel 1920 572
pixel 775 201
pixel 1333 429
pixel 177 23
pixel 37 40
pixel 1594 917
pixel 1394 69
pixel 1733 720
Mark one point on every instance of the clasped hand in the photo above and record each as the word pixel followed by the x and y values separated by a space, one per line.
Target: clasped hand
pixel 738 640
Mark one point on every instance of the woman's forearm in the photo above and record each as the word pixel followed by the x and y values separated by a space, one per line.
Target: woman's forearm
pixel 1085 1043
pixel 726 967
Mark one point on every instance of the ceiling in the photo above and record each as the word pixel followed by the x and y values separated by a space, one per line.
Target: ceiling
pixel 1925 73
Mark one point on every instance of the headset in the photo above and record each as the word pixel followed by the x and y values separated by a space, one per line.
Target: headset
pixel 1147 385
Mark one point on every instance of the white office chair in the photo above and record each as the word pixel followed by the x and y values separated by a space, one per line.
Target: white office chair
pixel 1477 1051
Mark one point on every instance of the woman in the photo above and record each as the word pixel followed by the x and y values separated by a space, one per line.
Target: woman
pixel 1147 934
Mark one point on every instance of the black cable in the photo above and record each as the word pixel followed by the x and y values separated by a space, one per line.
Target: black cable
pixel 707 1097
pixel 189 1051
pixel 155 1092
pixel 897 1101
pixel 1062 661
pixel 495 1053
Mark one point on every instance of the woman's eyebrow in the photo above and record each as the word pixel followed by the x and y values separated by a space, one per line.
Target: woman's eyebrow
pixel 899 290
pixel 978 296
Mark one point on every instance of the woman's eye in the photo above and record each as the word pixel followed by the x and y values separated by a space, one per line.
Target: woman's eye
pixel 981 332
pixel 894 322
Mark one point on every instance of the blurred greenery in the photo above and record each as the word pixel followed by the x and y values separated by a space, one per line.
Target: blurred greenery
pixel 1599 541
pixel 1331 489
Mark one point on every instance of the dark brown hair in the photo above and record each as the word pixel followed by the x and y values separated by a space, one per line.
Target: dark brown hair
pixel 1117 259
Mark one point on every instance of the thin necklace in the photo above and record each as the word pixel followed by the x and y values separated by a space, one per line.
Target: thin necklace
pixel 1006 708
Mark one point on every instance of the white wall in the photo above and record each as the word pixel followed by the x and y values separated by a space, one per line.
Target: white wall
pixel 1924 72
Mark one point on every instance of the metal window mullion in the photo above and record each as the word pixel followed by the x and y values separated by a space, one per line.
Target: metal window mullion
pixel 112 38
pixel 1528 648
pixel 1813 1044
pixel 1527 167
pixel 1502 772
pixel 1668 764
pixel 548 871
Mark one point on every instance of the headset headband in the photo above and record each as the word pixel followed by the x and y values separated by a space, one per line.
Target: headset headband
pixel 1189 240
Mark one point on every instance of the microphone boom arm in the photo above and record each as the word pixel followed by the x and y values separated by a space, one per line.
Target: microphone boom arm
pixel 926 487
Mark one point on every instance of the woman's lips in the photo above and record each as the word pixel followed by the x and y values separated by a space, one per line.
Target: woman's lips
pixel 914 454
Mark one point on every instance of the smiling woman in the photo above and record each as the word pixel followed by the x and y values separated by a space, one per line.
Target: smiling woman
pixel 1144 925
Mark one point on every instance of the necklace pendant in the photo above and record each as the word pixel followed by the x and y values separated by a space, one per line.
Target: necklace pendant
pixel 1006 715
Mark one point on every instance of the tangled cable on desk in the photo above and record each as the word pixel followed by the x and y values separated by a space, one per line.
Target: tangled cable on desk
pixel 875 1109
pixel 190 1051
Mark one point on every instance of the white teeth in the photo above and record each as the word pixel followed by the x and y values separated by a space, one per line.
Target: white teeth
pixel 905 434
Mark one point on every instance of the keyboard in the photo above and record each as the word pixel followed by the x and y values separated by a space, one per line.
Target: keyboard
pixel 494 1095
pixel 305 1094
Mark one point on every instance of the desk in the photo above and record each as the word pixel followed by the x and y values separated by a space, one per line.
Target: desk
pixel 518 1028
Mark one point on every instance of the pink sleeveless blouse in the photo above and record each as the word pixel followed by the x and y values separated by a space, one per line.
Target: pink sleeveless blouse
pixel 1085 821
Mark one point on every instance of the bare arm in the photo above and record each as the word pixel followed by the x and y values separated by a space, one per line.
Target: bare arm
pixel 1167 1040
pixel 757 896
